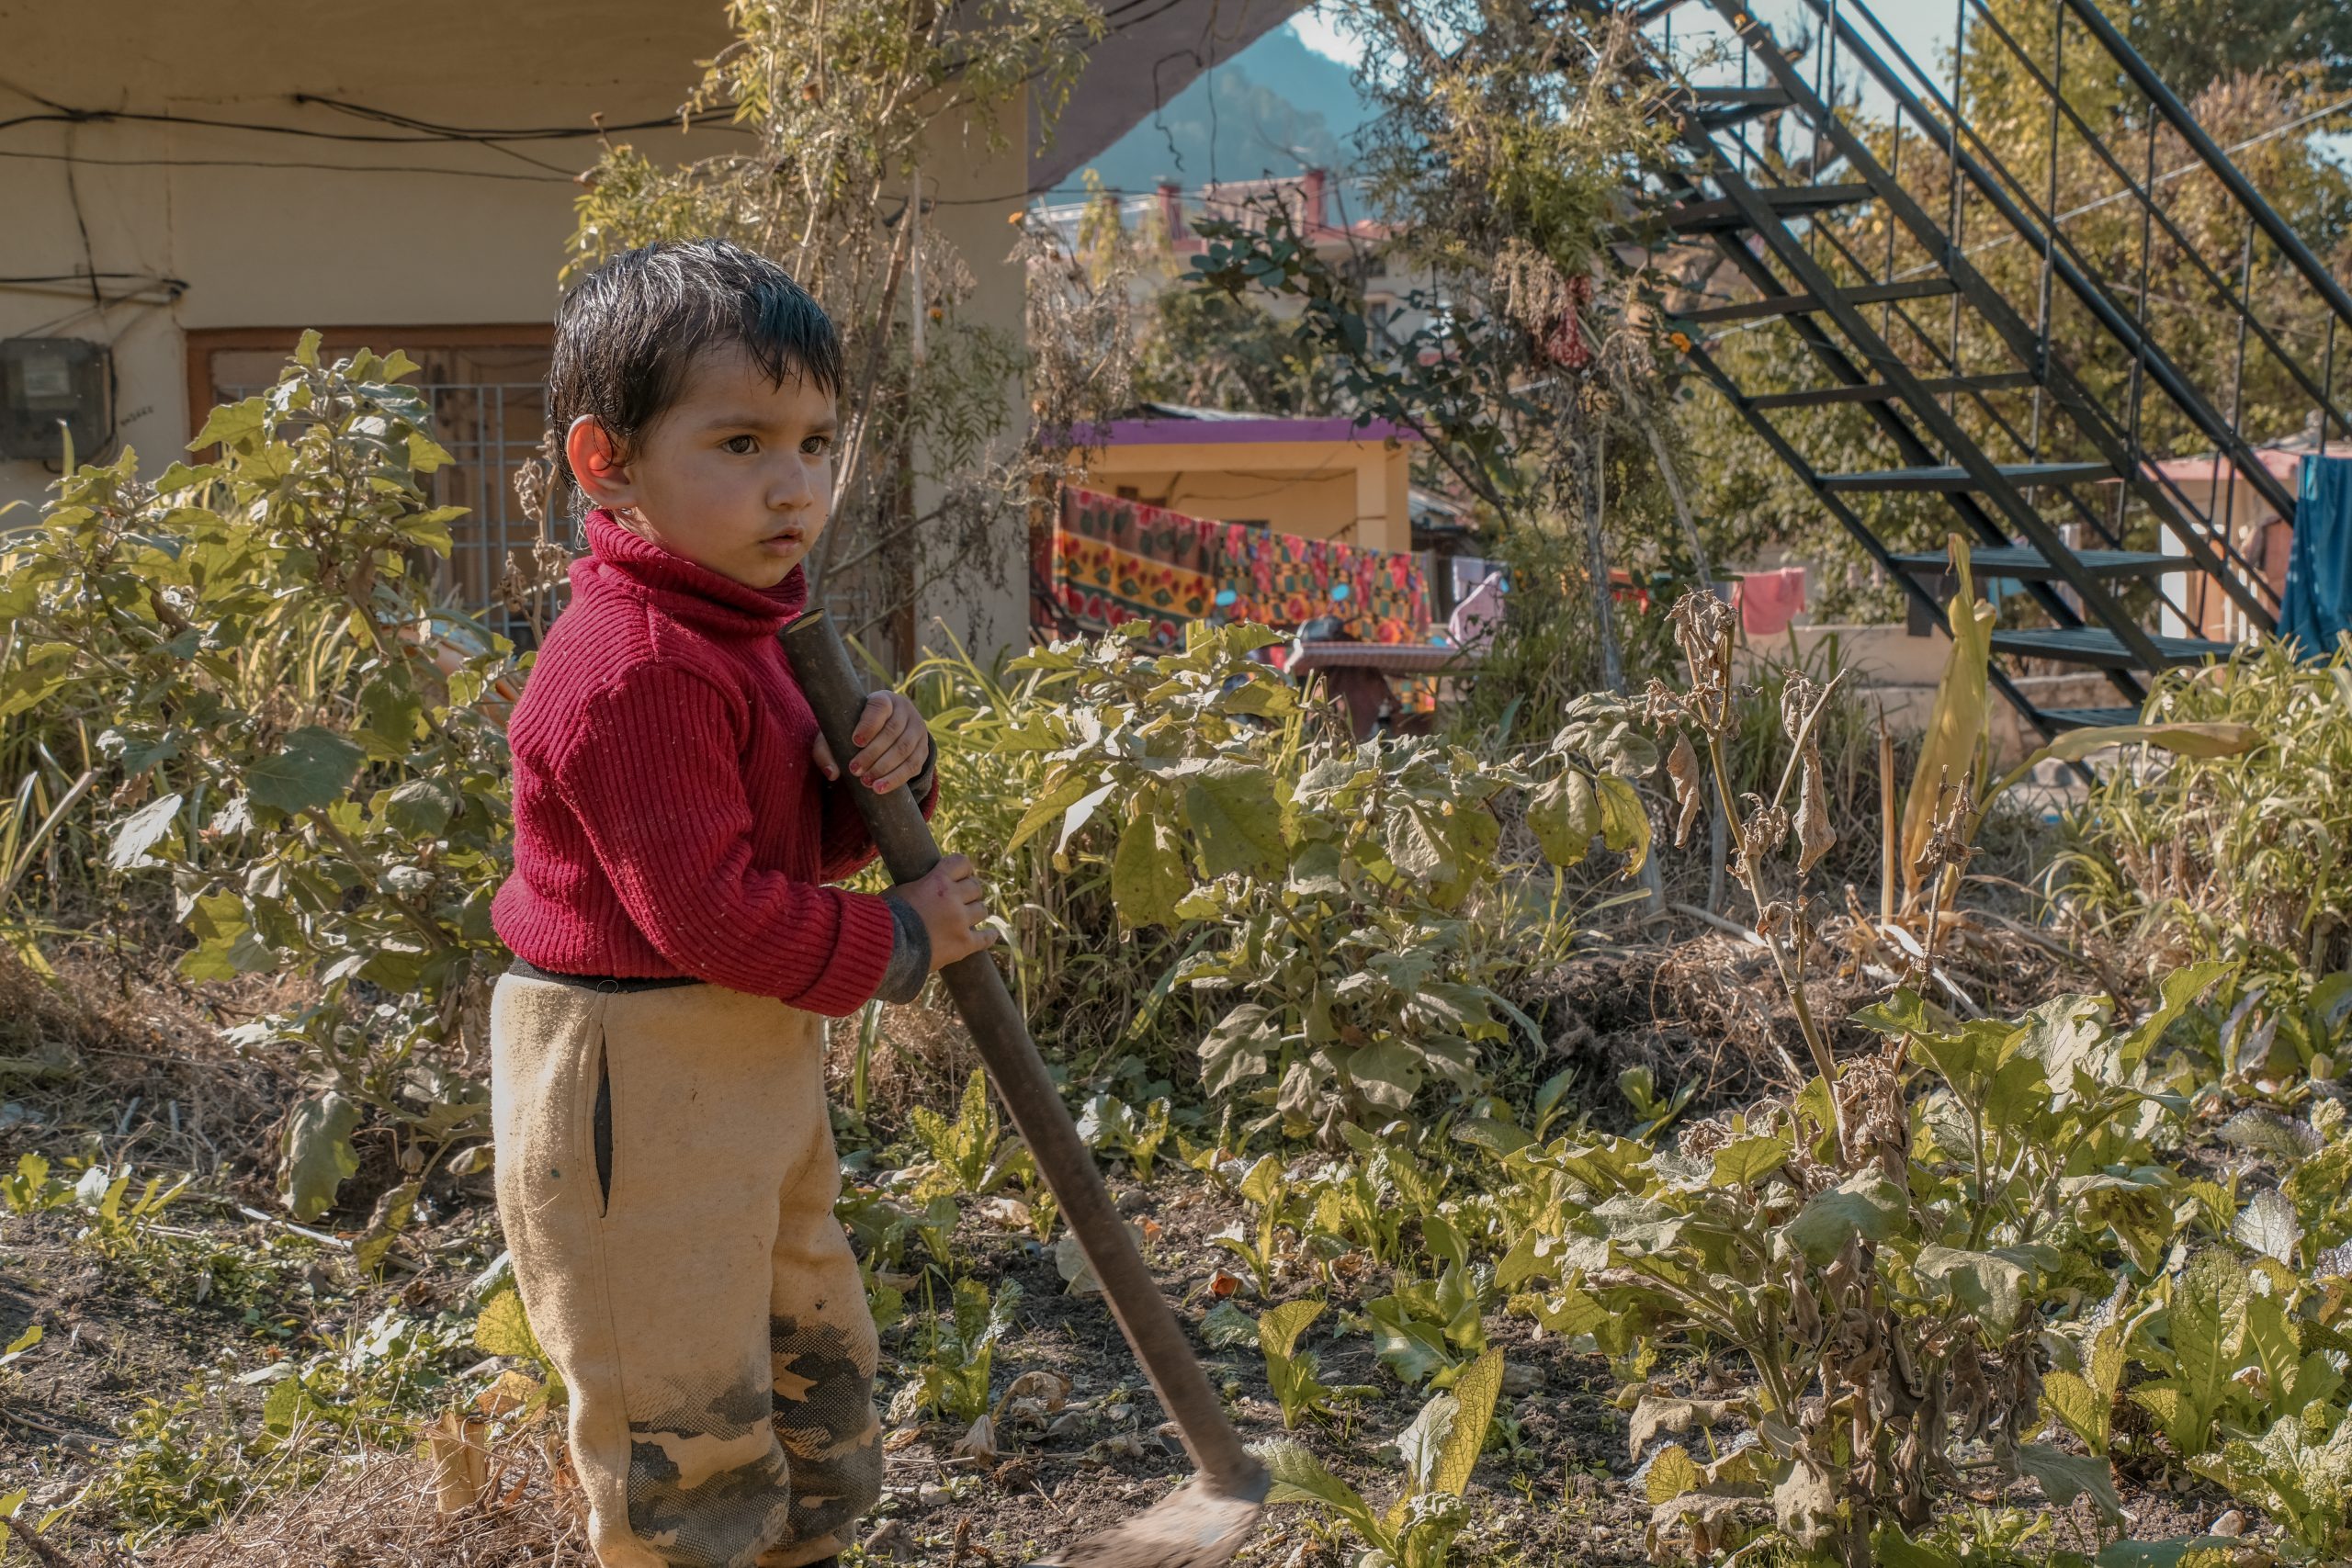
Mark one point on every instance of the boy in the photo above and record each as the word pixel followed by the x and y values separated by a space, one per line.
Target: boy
pixel 666 1171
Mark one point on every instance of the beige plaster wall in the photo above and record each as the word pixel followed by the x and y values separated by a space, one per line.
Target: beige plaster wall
pixel 1352 492
pixel 268 231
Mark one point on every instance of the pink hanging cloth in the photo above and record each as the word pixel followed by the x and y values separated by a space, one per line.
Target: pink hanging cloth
pixel 1768 601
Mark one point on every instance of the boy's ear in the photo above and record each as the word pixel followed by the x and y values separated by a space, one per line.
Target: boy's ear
pixel 596 464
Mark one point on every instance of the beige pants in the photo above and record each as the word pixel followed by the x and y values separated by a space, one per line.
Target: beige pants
pixel 696 1292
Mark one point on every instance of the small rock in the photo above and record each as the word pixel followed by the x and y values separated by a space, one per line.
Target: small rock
pixel 1121 1411
pixel 931 1494
pixel 1518 1380
pixel 1068 1424
pixel 892 1538
pixel 2230 1523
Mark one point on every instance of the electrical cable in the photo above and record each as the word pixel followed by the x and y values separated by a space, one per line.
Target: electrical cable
pixel 285 164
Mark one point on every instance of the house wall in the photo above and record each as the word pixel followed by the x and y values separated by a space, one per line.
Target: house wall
pixel 265 230
pixel 1348 491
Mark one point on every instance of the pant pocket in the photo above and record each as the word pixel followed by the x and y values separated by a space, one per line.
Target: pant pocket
pixel 602 1131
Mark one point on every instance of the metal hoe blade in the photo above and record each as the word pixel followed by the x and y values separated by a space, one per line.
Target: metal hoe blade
pixel 1194 1526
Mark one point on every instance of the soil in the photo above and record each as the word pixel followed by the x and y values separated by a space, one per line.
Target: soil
pixel 118 1336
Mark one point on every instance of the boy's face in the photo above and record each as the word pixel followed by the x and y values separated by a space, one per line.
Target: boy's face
pixel 735 476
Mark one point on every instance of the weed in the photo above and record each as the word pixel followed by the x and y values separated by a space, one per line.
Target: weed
pixel 1290 1371
pixel 1440 1449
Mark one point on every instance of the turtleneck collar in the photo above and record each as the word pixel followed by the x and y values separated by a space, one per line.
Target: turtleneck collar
pixel 703 598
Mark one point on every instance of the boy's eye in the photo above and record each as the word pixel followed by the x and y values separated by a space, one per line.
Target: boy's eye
pixel 816 446
pixel 742 446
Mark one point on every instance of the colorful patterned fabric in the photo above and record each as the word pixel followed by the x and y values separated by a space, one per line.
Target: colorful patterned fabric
pixel 1116 561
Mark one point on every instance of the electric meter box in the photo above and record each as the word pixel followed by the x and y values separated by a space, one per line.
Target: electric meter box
pixel 45 381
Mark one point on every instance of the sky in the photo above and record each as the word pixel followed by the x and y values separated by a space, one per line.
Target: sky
pixel 1923 28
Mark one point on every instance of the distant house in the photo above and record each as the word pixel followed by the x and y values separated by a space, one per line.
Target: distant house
pixel 1319 479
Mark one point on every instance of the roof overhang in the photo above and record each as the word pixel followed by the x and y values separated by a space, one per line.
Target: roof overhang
pixel 1152 51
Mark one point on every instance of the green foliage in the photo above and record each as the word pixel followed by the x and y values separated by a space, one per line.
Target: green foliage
pixel 1439 1451
pixel 29 1188
pixel 1290 1371
pixel 1109 1123
pixel 2244 857
pixel 958 1351
pixel 1329 880
pixel 295 732
pixel 971 1156
pixel 188 1462
pixel 1951 1224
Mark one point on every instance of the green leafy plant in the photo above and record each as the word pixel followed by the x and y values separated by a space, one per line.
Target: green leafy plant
pixel 958 1352
pixel 2299 1472
pixel 295 731
pixel 1325 881
pixel 1439 1451
pixel 117 1219
pixel 1109 1123
pixel 1917 1258
pixel 30 1189
pixel 1640 1089
pixel 1290 1371
pixel 1256 1242
pixel 971 1155
pixel 1431 1329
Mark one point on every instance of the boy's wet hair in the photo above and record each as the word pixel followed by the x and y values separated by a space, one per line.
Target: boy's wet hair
pixel 627 336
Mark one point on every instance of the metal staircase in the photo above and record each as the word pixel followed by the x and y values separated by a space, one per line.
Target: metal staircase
pixel 2062 465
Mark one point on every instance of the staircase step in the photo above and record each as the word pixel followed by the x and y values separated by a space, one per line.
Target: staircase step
pixel 2097 644
pixel 1954 478
pixel 1800 304
pixel 1880 392
pixel 2023 563
pixel 2091 718
pixel 1722 214
pixel 1720 108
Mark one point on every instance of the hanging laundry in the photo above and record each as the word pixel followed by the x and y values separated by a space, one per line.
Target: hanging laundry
pixel 1768 601
pixel 1114 559
pixel 2316 608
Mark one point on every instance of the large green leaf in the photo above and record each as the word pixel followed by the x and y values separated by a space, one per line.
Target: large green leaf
pixel 319 1155
pixel 312 769
pixel 1300 1477
pixel 1236 820
pixel 141 831
pixel 1149 871
pixel 1474 1392
pixel 1624 822
pixel 1993 1288
pixel 1563 814
pixel 1866 1204
pixel 2064 1477
pixel 1279 1329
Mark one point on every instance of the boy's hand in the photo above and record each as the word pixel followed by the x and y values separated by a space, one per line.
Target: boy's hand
pixel 952 901
pixel 892 743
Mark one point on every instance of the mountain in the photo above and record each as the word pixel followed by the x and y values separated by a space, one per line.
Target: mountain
pixel 1276 108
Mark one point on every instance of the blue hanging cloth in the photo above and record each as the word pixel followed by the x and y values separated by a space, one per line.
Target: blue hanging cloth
pixel 2317 605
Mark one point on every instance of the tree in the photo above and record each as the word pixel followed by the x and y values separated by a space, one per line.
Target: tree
pixel 843 103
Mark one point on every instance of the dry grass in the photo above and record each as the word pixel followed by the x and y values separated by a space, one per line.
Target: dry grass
pixel 380 1515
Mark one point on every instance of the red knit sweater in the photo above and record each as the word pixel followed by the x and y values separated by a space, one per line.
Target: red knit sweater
pixel 669 819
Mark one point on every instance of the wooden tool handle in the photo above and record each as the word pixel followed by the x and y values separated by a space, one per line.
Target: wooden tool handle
pixel 821 662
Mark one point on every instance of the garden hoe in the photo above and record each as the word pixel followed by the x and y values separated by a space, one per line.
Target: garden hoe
pixel 1200 1525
